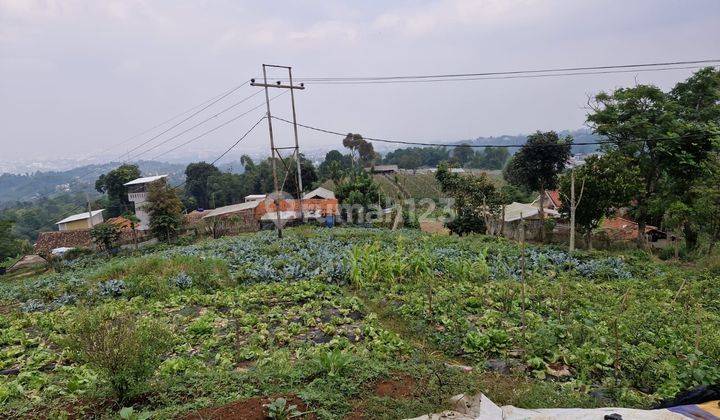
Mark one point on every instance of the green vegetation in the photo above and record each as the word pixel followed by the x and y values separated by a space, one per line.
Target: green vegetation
pixel 165 209
pixel 123 349
pixel 105 236
pixel 113 185
pixel 353 321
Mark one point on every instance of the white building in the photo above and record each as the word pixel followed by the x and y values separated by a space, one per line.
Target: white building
pixel 81 220
pixel 137 193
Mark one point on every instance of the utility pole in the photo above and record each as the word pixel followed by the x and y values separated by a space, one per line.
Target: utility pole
pixel 90 220
pixel 573 207
pixel 275 151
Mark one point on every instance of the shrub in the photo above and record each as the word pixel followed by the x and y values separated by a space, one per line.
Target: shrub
pixel 105 236
pixel 76 253
pixel 123 348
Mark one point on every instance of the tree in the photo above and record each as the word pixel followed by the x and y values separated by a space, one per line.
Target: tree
pixel 605 182
pixel 475 200
pixel 307 170
pixel 463 154
pixel 105 235
pixel 359 190
pixel 537 165
pixel 705 212
pixel 414 157
pixel 113 184
pixel 360 147
pixel 165 209
pixel 666 136
pixel 676 217
pixel 10 245
pixel 334 166
pixel 197 176
pixel 494 157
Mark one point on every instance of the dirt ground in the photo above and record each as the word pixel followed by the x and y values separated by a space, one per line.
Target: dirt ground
pixel 433 226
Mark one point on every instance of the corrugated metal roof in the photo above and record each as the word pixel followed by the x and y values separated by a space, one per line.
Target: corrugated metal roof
pixel 79 216
pixel 516 211
pixel 231 209
pixel 145 180
pixel 320 192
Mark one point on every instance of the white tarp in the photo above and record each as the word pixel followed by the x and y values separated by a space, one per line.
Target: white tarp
pixel 480 407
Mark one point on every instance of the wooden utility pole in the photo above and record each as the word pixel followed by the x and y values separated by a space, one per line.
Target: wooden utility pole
pixel 573 206
pixel 90 215
pixel 275 151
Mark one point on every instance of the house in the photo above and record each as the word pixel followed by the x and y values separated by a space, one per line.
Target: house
pixel 552 200
pixel 137 193
pixel 518 214
pixel 319 192
pixel 247 216
pixel 383 169
pixel 255 197
pixel 621 229
pixel 81 221
pixel 457 170
pixel 234 218
pixel 517 211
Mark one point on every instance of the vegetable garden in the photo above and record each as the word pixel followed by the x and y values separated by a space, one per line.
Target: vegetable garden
pixel 357 323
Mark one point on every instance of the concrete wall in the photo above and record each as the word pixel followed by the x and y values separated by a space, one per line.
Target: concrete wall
pixel 81 224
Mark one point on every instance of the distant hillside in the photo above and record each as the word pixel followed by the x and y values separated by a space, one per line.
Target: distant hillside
pixel 14 187
pixel 579 136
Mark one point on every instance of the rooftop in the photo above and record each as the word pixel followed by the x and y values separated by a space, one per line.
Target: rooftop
pixel 79 216
pixel 230 209
pixel 145 180
pixel 320 192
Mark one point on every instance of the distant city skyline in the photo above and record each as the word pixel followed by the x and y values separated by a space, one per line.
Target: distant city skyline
pixel 79 76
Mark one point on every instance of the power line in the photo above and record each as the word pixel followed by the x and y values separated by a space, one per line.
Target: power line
pixel 133 137
pixel 226 94
pixel 417 143
pixel 214 128
pixel 194 126
pixel 229 148
pixel 512 72
pixel 527 76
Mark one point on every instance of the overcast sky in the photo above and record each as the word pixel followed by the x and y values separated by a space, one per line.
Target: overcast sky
pixel 77 76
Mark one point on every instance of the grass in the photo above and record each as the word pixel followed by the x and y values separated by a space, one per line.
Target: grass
pixel 366 321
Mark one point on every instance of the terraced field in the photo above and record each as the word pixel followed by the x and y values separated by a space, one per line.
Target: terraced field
pixel 352 323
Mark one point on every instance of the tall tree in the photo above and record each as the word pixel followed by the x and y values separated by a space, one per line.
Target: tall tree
pixel 537 165
pixel 165 210
pixel 308 174
pixel 606 183
pixel 113 184
pixel 362 150
pixel 661 134
pixel 197 176
pixel 334 166
pixel 463 154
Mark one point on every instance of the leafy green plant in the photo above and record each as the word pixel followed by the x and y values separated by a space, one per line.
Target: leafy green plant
pixel 128 413
pixel 334 362
pixel 124 348
pixel 279 409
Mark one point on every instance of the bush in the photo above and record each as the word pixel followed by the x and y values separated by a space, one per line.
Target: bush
pixel 125 349
pixel 76 253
